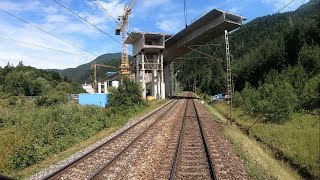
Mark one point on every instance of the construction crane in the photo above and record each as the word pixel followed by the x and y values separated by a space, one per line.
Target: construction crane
pixel 123 28
pixel 94 67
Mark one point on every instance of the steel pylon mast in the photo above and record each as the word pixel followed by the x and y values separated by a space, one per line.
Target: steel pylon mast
pixel 229 75
pixel 123 28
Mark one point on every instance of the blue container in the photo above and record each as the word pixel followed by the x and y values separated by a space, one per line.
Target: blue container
pixel 97 99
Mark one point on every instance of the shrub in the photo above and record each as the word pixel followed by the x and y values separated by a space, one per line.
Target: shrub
pixel 23 157
pixel 311 93
pixel 13 100
pixel 237 99
pixel 41 100
pixel 283 101
pixel 127 95
pixel 250 98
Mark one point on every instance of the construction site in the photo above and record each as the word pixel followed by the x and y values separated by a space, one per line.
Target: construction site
pixel 154 53
pixel 198 92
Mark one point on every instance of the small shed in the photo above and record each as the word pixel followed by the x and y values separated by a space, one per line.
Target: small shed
pixel 97 99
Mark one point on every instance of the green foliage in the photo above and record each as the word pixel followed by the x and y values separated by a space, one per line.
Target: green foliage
pixel 29 81
pixel 237 99
pixel 311 93
pixel 250 98
pixel 275 59
pixel 277 97
pixel 282 102
pixel 297 138
pixel 24 157
pixel 127 95
pixel 309 58
pixel 30 133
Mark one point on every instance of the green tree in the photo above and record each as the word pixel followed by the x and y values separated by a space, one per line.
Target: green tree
pixel 311 93
pixel 127 95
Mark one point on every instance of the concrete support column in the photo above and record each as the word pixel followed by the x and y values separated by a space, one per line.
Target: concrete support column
pixel 172 78
pixel 163 93
pixel 105 87
pixel 136 60
pixel 167 80
pixel 143 78
pixel 154 86
pixel 99 87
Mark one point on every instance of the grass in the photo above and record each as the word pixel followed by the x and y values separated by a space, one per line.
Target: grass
pixel 34 137
pixel 297 138
pixel 259 161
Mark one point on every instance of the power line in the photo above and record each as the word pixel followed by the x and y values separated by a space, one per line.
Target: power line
pixel 202 53
pixel 92 1
pixel 286 5
pixel 22 20
pixel 185 13
pixel 280 10
pixel 87 22
pixel 39 46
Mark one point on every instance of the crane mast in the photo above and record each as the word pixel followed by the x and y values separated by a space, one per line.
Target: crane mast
pixel 94 67
pixel 123 28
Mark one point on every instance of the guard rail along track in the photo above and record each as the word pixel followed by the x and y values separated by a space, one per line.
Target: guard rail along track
pixel 91 164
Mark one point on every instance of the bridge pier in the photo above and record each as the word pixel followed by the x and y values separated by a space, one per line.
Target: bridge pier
pixel 148 53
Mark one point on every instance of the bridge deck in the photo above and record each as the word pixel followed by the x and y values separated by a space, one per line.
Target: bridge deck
pixel 209 26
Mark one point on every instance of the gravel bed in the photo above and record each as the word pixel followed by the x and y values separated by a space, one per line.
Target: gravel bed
pixel 227 165
pixel 140 160
pixel 42 174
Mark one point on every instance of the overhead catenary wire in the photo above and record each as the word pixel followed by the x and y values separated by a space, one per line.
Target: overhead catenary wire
pixel 185 13
pixel 89 22
pixel 39 46
pixel 44 31
pixel 202 53
pixel 99 5
pixel 286 5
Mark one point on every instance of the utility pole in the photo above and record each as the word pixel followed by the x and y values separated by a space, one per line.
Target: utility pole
pixel 229 75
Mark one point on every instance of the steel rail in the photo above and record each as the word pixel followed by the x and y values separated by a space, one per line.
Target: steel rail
pixel 174 165
pixel 100 170
pixel 205 142
pixel 87 154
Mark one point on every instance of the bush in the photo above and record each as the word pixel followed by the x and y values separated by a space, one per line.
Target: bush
pixel 13 100
pixel 311 93
pixel 237 99
pixel 127 95
pixel 23 157
pixel 283 102
pixel 250 99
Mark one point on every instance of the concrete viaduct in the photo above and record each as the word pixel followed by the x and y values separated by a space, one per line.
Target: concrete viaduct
pixel 153 52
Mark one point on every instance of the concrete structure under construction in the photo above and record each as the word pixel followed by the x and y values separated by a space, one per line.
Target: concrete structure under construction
pixel 148 60
pixel 208 27
pixel 153 53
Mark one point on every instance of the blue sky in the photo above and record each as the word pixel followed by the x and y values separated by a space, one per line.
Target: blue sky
pixel 165 16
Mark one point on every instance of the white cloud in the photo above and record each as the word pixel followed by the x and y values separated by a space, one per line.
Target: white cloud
pixel 28 5
pixel 169 26
pixel 61 23
pixel 155 3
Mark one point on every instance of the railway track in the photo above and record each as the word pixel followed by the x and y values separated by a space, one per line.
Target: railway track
pixel 179 141
pixel 192 158
pixel 92 163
